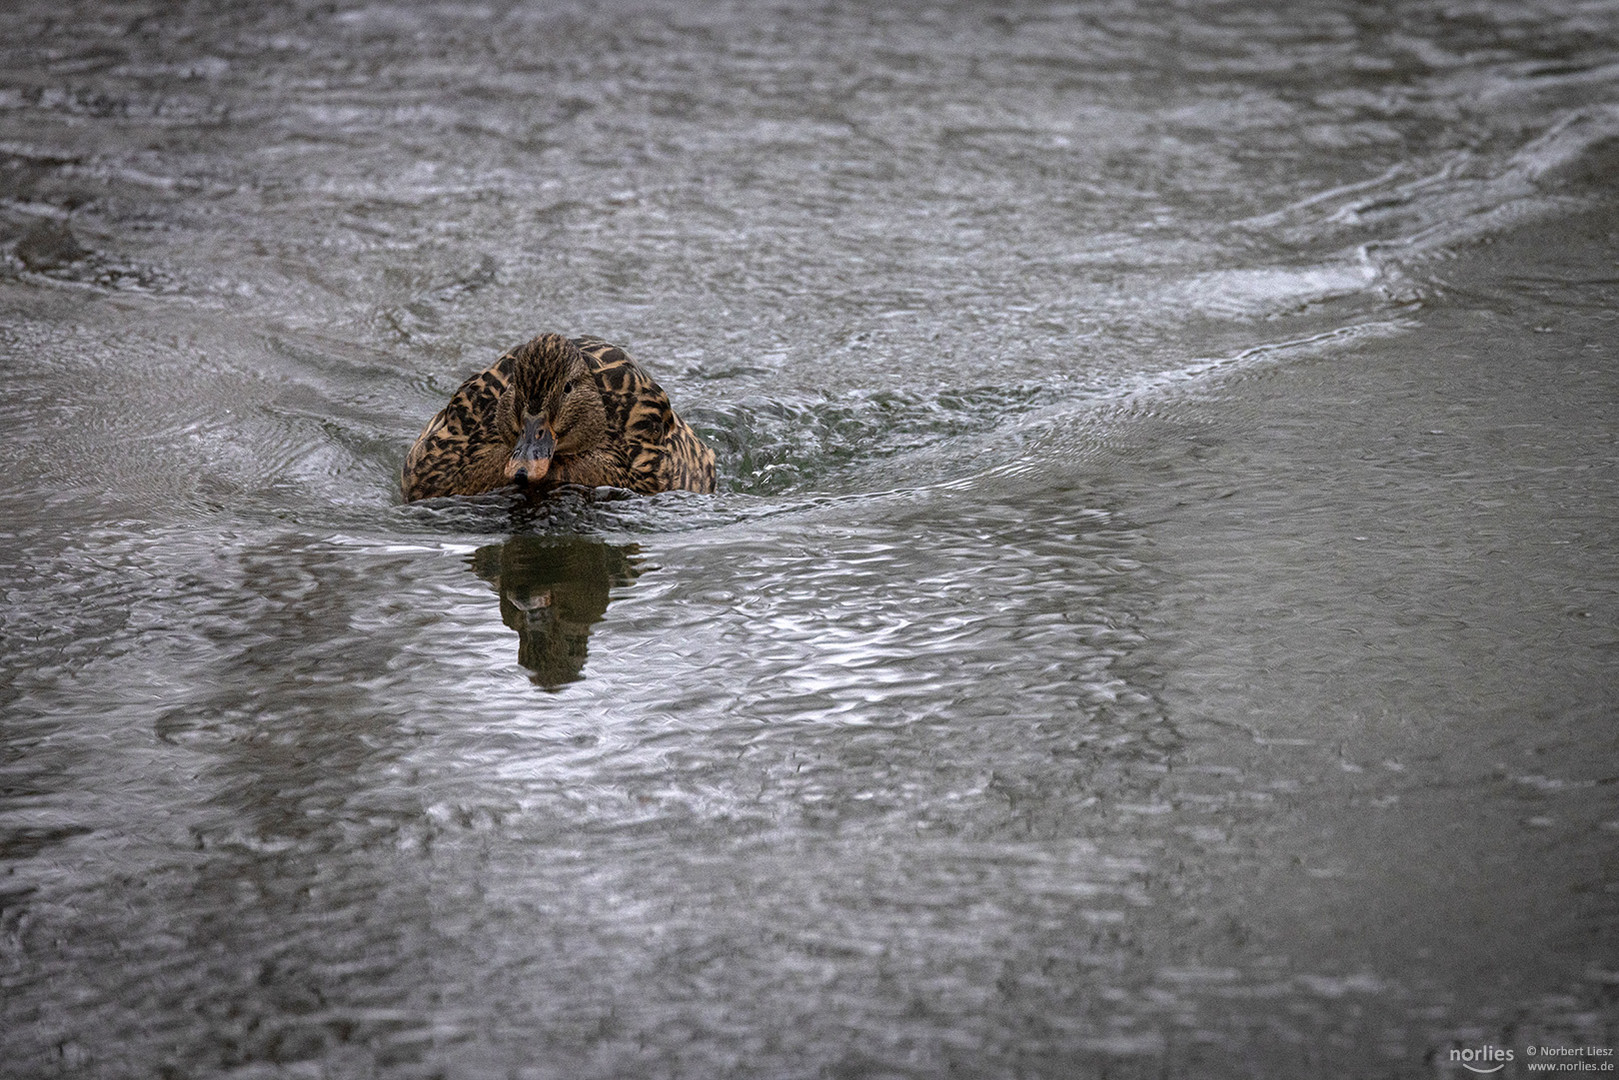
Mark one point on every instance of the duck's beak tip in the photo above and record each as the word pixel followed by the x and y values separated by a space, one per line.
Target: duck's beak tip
pixel 531 457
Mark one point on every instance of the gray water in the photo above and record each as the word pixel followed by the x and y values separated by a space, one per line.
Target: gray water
pixel 1158 618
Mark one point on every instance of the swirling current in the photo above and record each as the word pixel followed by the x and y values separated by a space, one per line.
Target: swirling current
pixel 1158 618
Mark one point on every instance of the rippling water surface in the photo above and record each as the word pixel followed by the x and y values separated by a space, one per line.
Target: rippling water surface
pixel 1158 619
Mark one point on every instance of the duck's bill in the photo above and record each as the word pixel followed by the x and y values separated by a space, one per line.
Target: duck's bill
pixel 531 457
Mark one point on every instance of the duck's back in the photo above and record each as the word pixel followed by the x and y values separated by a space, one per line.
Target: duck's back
pixel 462 451
pixel 654 449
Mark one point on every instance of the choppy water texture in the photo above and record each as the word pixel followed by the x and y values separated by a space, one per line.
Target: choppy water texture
pixel 1158 619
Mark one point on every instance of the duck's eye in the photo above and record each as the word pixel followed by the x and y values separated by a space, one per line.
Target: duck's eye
pixel 567 387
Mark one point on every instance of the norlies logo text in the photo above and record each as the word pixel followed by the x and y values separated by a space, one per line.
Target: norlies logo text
pixel 1473 1060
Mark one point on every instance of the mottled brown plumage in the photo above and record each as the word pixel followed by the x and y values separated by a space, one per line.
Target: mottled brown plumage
pixel 558 411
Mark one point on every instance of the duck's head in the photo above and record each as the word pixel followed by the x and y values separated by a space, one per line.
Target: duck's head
pixel 553 407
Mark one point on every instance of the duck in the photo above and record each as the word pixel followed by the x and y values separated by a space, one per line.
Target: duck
pixel 557 411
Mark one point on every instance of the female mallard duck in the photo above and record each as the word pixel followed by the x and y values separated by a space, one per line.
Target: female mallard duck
pixel 558 411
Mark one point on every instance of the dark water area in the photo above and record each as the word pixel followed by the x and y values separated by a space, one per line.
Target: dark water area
pixel 1158 618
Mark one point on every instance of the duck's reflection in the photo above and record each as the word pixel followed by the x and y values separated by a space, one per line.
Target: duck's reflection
pixel 553 589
